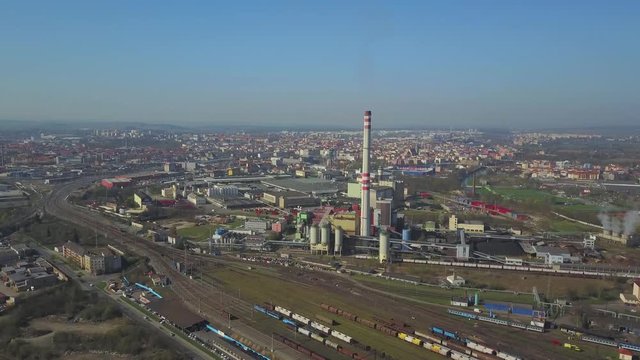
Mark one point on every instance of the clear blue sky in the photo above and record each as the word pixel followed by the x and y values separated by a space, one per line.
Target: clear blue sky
pixel 438 63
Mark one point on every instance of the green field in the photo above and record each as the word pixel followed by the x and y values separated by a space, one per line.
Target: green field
pixel 566 226
pixel 203 232
pixel 522 194
pixel 198 233
pixel 437 295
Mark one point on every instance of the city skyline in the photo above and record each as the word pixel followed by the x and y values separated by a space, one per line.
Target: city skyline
pixel 464 64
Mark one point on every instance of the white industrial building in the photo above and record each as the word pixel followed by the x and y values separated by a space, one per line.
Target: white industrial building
pixel 196 199
pixel 552 255
pixel 456 280
pixel 223 191
pixel 462 249
pixel 258 226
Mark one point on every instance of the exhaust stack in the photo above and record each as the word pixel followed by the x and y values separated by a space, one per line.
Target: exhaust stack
pixel 365 211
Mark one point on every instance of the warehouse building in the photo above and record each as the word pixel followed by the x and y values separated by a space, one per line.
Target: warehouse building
pixel 116 182
pixel 257 226
pixel 289 199
pixel 552 255
pixel 178 315
pixel 309 186
pixel 142 199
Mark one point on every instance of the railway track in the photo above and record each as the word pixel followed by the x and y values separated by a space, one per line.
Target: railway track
pixel 191 291
pixel 211 301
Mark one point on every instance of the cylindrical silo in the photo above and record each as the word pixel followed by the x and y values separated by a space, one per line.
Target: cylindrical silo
pixel 406 234
pixel 313 235
pixel 325 230
pixel 338 241
pixel 384 247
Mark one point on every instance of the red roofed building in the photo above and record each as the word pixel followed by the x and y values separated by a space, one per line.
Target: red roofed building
pixel 115 182
pixel 625 354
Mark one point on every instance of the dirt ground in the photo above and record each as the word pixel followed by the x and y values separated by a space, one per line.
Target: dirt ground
pixel 54 324
pixel 179 224
pixel 93 356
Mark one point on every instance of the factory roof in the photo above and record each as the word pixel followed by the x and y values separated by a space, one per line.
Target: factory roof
pixel 551 250
pixel 176 313
pixel 234 202
pixel 306 185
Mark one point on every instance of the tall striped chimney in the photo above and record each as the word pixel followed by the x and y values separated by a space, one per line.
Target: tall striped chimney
pixel 365 211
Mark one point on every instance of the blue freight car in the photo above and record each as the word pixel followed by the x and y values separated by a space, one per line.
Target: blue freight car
pixel 290 322
pixel 628 346
pixel 437 330
pixel 451 335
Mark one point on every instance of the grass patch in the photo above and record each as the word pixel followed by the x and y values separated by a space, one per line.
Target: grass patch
pixel 198 233
pixel 562 225
pixel 593 290
pixel 437 295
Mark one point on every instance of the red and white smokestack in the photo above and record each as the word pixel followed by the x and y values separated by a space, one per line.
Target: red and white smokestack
pixel 365 211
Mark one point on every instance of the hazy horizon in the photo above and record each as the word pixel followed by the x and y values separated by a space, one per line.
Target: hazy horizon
pixel 516 65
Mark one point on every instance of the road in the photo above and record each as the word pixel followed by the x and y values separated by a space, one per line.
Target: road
pixel 190 291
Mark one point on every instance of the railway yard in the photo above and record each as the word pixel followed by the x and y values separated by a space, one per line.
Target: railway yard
pixel 231 291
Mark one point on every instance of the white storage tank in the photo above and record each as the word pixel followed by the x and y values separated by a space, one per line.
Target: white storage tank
pixel 313 235
pixel 339 235
pixel 384 247
pixel 325 230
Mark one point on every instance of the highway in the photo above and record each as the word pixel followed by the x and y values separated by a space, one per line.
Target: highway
pixel 207 300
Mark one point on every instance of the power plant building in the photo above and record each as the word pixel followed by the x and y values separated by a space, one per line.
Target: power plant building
pixel 382 213
pixel 349 222
pixel 470 226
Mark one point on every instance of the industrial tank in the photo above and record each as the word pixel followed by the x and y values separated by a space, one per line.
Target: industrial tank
pixel 313 235
pixel 338 240
pixel 406 234
pixel 384 247
pixel 324 234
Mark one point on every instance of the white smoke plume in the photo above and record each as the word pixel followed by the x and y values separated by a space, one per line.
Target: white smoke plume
pixel 605 219
pixel 616 225
pixel 631 219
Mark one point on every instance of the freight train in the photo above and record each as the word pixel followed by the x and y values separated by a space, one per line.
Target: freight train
pixel 267 312
pixel 466 350
pixel 248 350
pixel 297 323
pixel 478 350
pixel 493 320
pixel 294 345
pixel 606 341
pixel 518 268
